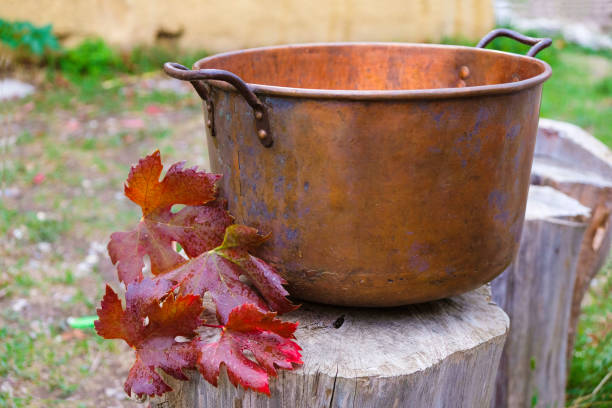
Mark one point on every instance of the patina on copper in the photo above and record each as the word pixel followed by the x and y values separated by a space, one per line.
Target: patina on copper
pixel 395 173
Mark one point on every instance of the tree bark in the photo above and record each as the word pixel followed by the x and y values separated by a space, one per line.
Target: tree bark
pixel 536 291
pixel 438 354
pixel 574 162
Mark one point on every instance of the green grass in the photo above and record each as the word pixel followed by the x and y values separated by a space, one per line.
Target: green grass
pixel 574 94
pixel 94 74
pixel 24 354
pixel 79 91
pixel 37 228
pixel 592 362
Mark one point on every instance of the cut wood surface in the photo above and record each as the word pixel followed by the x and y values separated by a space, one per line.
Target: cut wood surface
pixel 574 162
pixel 536 292
pixel 438 354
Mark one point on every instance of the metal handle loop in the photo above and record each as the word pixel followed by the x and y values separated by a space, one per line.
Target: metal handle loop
pixel 183 73
pixel 538 43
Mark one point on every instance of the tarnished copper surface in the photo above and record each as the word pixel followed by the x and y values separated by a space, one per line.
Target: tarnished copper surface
pixel 398 173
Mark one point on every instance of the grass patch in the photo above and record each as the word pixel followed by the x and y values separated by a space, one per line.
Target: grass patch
pixel 95 74
pixel 37 227
pixel 590 382
pixel 575 94
pixel 90 91
pixel 52 366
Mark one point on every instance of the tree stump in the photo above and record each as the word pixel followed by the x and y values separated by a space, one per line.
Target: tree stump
pixel 536 292
pixel 438 354
pixel 574 162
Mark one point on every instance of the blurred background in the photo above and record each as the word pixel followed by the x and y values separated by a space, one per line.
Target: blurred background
pixel 82 97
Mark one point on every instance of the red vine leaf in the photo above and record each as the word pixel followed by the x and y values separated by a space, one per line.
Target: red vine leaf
pixel 244 288
pixel 266 338
pixel 198 227
pixel 150 327
pixel 238 240
pixel 219 272
pixel 179 186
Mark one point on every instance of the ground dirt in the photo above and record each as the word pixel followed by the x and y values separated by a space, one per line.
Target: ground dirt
pixel 61 197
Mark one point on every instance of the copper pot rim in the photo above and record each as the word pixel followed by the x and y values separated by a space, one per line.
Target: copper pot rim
pixel 341 94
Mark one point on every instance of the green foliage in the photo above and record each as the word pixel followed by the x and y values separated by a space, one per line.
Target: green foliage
pixel 93 57
pixel 25 36
pixel 534 399
pixel 150 59
pixel 574 94
pixel 604 86
pixel 592 359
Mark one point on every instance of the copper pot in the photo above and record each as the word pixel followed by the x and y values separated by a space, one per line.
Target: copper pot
pixel 387 173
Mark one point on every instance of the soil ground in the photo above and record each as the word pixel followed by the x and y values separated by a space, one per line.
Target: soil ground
pixel 61 197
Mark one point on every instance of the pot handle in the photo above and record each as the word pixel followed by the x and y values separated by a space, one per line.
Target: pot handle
pixel 183 73
pixel 538 43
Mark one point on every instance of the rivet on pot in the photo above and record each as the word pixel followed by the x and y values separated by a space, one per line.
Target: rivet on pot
pixel 209 123
pixel 464 72
pixel 258 114
pixel 262 134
